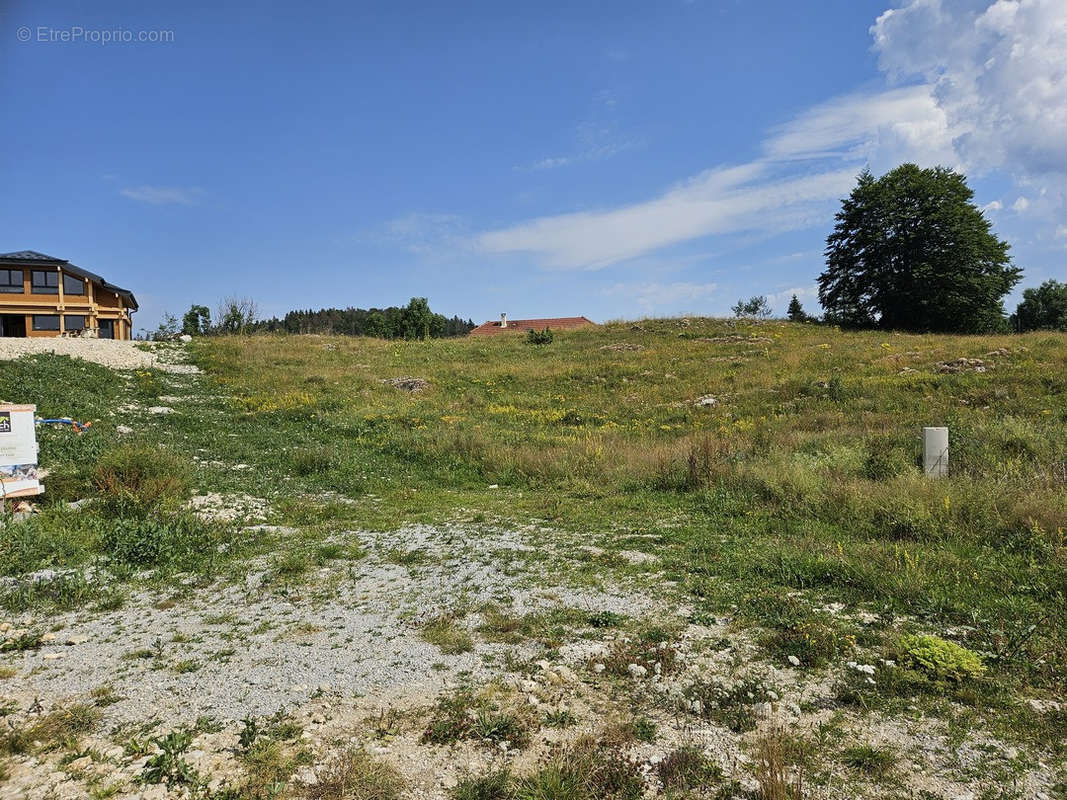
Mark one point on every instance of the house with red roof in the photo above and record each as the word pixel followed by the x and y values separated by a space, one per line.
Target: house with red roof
pixel 505 325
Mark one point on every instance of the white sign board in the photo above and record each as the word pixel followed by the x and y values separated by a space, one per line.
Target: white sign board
pixel 18 452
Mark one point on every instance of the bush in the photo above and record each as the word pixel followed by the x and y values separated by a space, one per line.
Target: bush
pixel 940 659
pixel 142 478
pixel 539 337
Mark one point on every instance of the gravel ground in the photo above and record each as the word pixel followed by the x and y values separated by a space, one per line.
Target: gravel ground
pixel 112 353
pixel 251 649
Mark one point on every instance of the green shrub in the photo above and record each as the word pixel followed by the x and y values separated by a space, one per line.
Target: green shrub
pixel 940 659
pixel 141 478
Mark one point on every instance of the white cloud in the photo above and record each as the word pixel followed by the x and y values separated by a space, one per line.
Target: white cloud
pixel 1061 232
pixel 906 121
pixel 1020 205
pixel 997 71
pixel 996 205
pixel 162 195
pixel 652 297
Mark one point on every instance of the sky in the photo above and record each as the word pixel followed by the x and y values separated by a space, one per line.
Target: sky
pixel 613 159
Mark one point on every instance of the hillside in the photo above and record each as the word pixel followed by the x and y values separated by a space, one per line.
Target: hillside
pixel 684 558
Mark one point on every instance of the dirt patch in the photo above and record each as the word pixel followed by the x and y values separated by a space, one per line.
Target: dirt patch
pixel 623 346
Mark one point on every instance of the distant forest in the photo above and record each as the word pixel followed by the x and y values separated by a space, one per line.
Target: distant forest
pixel 413 321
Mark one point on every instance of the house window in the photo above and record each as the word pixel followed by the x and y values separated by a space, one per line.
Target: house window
pixel 74 322
pixel 46 322
pixel 42 282
pixel 11 281
pixel 72 285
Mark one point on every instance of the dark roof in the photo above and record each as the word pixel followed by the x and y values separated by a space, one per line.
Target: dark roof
pixel 522 325
pixel 32 257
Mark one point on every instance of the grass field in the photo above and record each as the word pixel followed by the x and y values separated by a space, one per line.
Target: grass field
pixel 769 472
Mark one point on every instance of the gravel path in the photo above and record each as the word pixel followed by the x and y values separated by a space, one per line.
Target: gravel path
pixel 112 353
pixel 239 650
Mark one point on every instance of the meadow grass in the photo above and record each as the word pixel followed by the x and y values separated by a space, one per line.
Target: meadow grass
pixel 803 474
pixel 754 459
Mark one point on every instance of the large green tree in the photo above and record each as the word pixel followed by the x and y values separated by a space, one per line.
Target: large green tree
pixel 1043 308
pixel 910 251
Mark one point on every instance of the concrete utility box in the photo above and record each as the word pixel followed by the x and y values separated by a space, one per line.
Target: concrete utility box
pixel 935 452
pixel 18 452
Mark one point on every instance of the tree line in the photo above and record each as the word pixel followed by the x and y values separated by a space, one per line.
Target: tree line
pixel 239 315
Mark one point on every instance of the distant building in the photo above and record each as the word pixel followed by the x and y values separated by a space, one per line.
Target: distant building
pixel 45 296
pixel 505 325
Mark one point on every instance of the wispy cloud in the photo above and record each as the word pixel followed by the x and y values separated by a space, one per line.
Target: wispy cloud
pixel 162 195
pixel 722 200
pixel 420 233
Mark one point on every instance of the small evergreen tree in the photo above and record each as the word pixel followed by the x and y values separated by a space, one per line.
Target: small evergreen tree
pixel 796 311
pixel 539 337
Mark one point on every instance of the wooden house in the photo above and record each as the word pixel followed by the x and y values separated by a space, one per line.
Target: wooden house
pixel 45 296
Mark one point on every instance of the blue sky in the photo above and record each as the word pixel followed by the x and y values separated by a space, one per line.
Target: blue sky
pixel 609 159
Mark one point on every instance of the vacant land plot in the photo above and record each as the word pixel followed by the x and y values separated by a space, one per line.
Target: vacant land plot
pixel 681 558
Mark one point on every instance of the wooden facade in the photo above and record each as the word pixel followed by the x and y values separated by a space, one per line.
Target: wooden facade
pixel 45 296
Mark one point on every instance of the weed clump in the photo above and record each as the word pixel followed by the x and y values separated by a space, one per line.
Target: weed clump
pixel 356 775
pixel 462 715
pixel 731 706
pixel 445 633
pixel 687 768
pixel 876 762
pixel 940 659
pixel 140 478
pixel 182 541
pixel 649 653
pixel 585 770
pixel 496 785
